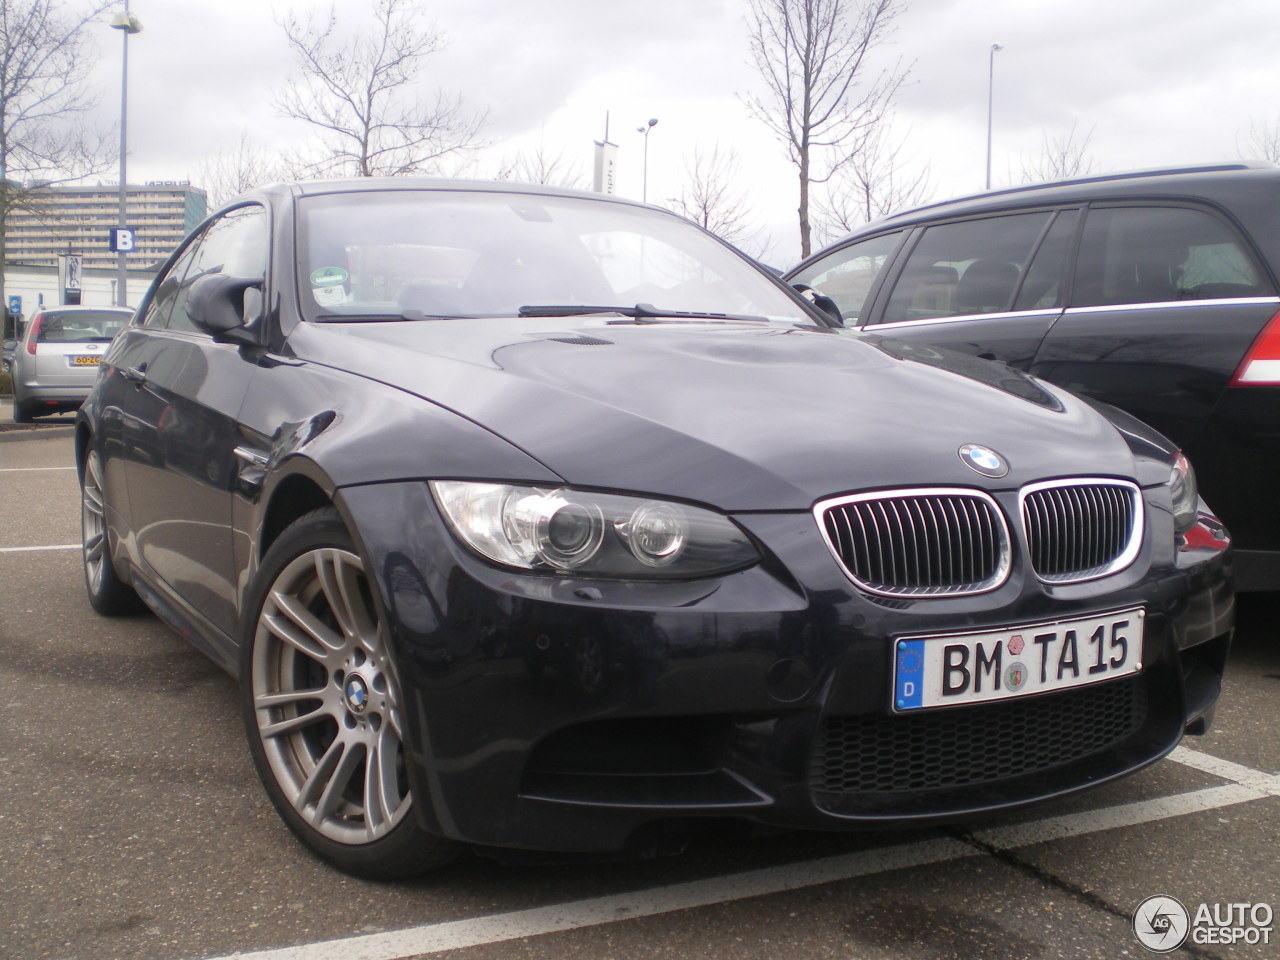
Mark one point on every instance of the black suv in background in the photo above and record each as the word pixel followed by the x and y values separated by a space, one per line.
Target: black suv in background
pixel 1153 291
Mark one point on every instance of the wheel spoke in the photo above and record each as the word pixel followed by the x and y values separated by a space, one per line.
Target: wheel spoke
pixel 298 627
pixel 300 721
pixel 340 582
pixel 320 777
pixel 350 756
pixel 382 797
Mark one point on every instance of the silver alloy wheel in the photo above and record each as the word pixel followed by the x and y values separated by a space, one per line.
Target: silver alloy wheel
pixel 325 701
pixel 93 524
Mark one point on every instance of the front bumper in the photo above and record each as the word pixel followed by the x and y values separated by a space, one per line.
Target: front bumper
pixel 569 715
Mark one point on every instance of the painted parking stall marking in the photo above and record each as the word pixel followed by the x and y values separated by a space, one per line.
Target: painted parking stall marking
pixel 1246 785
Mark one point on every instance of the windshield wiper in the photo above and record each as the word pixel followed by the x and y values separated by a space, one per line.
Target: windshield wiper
pixel 640 312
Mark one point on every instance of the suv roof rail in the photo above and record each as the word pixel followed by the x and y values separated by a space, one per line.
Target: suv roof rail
pixel 1099 178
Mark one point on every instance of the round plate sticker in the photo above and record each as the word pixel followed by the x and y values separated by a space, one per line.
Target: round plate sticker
pixel 328 276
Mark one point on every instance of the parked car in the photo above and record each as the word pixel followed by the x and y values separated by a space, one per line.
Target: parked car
pixel 545 520
pixel 6 355
pixel 57 357
pixel 1155 291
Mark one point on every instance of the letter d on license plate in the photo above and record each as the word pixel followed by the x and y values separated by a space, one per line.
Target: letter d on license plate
pixel 1019 661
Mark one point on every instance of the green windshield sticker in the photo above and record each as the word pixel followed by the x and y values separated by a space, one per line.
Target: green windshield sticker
pixel 328 276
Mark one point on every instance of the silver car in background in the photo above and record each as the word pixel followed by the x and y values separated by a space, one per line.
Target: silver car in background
pixel 57 358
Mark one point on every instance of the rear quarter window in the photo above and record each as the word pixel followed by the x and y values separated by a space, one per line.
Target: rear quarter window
pixel 1151 254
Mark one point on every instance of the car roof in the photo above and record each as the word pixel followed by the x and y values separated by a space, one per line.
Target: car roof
pixel 1248 191
pixel 311 188
pixel 85 308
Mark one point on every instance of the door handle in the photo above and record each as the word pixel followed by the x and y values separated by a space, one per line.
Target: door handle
pixel 135 375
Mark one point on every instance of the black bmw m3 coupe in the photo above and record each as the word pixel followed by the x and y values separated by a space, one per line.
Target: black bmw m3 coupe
pixel 538 520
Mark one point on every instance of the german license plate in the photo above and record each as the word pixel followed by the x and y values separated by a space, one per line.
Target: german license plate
pixel 85 361
pixel 1021 661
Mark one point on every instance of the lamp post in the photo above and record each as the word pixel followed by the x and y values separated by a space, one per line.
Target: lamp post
pixel 644 196
pixel 127 24
pixel 991 78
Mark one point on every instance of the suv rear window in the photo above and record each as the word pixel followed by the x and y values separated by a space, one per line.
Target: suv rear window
pixel 1160 254
pixel 79 327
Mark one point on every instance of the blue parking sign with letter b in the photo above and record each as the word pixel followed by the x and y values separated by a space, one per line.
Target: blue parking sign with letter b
pixel 122 240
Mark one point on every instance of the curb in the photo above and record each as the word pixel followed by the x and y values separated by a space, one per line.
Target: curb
pixel 38 432
pixel 42 433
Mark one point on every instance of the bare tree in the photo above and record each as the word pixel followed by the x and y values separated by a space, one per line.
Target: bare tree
pixel 542 167
pixel 822 95
pixel 1060 158
pixel 361 91
pixel 877 181
pixel 234 170
pixel 713 198
pixel 45 59
pixel 1263 141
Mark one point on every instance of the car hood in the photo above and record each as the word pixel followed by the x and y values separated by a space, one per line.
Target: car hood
pixel 741 415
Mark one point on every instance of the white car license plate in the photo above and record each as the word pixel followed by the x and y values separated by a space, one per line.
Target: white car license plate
pixel 1021 661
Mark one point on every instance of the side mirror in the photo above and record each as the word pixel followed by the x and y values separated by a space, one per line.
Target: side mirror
pixel 821 301
pixel 216 304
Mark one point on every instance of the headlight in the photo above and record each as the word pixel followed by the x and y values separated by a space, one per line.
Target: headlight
pixel 591 534
pixel 1185 495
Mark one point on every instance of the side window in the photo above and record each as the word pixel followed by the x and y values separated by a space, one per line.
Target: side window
pixel 1042 287
pixel 1160 254
pixel 161 306
pixel 848 275
pixel 235 244
pixel 973 266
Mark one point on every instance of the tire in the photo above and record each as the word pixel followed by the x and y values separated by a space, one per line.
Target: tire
pixel 108 594
pixel 321 705
pixel 22 411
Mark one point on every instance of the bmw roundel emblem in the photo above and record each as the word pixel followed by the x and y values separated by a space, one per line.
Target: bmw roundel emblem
pixel 984 460
pixel 357 694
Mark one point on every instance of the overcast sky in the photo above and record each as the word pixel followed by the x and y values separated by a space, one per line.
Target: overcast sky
pixel 1150 82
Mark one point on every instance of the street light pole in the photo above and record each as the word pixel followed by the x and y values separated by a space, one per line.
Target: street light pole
pixel 991 78
pixel 644 196
pixel 126 23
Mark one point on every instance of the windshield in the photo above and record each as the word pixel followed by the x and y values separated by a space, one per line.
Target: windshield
pixel 435 253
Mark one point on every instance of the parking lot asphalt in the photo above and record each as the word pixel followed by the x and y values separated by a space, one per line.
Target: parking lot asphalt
pixel 132 824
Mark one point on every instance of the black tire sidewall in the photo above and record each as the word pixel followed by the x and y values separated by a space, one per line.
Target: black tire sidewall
pixel 113 597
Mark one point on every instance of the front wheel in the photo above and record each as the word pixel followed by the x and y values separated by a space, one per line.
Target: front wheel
pixel 323 708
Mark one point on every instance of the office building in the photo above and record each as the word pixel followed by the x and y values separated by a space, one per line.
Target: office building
pixel 78 220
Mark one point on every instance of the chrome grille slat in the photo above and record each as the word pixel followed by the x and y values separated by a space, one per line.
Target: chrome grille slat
pixel 955 541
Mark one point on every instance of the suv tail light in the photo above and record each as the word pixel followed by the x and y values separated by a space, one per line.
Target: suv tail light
pixel 1261 365
pixel 34 333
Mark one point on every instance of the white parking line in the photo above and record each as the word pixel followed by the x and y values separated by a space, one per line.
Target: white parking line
pixel 31 469
pixel 1247 784
pixel 56 546
pixel 1207 763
